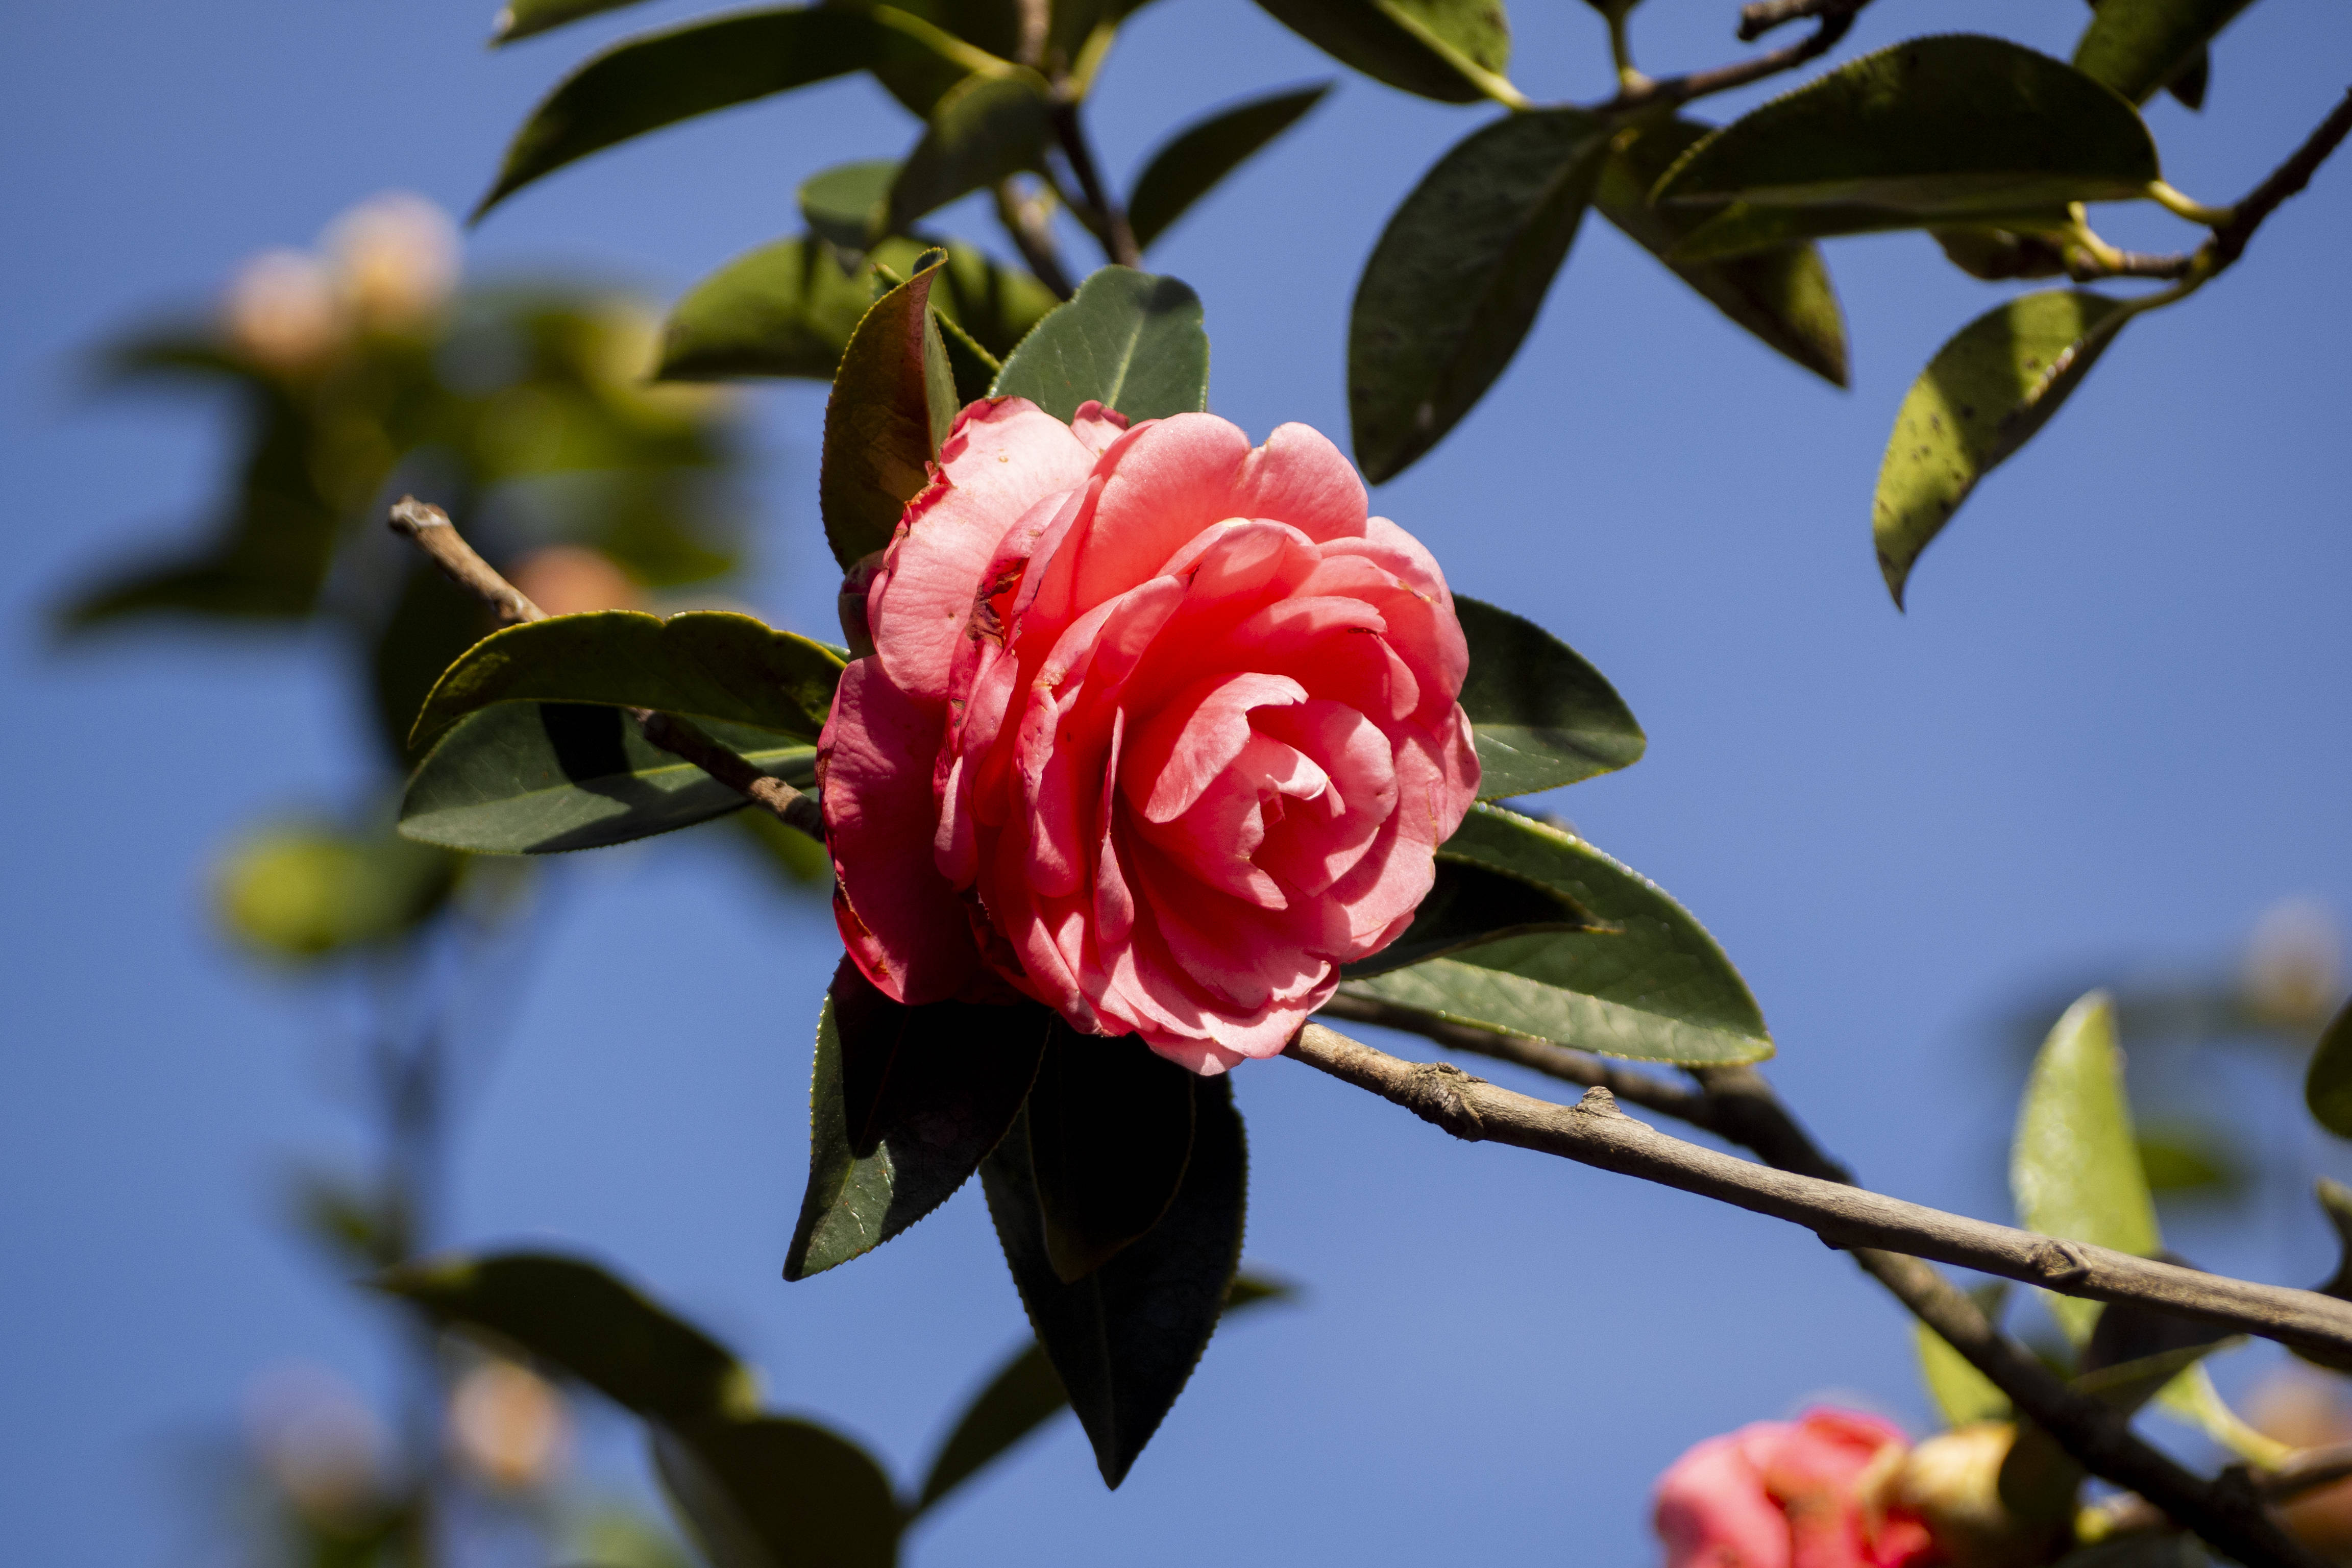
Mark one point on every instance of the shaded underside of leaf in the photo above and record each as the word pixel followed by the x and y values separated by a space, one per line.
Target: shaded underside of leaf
pixel 1193 161
pixel 1111 1132
pixel 1412 44
pixel 775 1492
pixel 1471 904
pixel 1131 341
pixel 984 128
pixel 1541 716
pixel 2137 47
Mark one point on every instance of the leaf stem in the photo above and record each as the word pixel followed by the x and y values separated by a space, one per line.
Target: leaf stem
pixel 1835 19
pixel 1029 222
pixel 1117 238
pixel 2173 202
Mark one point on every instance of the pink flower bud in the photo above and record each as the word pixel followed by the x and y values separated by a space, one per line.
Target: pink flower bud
pixel 1818 1492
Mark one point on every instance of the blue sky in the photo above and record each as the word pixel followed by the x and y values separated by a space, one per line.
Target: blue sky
pixel 2112 728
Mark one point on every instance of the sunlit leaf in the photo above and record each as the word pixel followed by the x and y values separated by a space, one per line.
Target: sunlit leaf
pixel 1540 715
pixel 1451 50
pixel 2139 46
pixel 1110 1126
pixel 1985 395
pixel 984 129
pixel 1129 340
pixel 773 1493
pixel 1189 163
pixel 2328 1085
pixel 1458 276
pixel 893 401
pixel 521 18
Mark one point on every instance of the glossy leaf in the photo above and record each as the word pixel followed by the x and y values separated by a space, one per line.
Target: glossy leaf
pixel 1984 395
pixel 984 129
pixel 1458 276
pixel 2137 47
pixel 773 1493
pixel 1655 986
pixel 904 1104
pixel 301 892
pixel 1024 1394
pixel 2327 1084
pixel 1129 340
pixel 1948 125
pixel 535 778
pixel 2073 1169
pixel 893 401
pixel 660 78
pixel 1189 165
pixel 1125 1339
pixel 847 203
pixel 581 1320
pixel 1110 1126
pixel 1781 294
pixel 2127 1385
pixel 1540 715
pixel 1451 50
pixel 701 664
pixel 1963 1394
pixel 521 18
pixel 1471 904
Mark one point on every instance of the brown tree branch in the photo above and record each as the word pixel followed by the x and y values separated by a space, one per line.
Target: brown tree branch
pixel 432 531
pixel 1835 19
pixel 1118 239
pixel 2228 241
pixel 1028 223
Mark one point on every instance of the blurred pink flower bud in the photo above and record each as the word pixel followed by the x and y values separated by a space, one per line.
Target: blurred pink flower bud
pixel 507 1426
pixel 281 310
pixel 1811 1493
pixel 572 579
pixel 396 259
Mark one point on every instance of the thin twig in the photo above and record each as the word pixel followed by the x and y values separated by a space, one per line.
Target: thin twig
pixel 1758 19
pixel 2228 241
pixel 1118 239
pixel 1835 20
pixel 430 528
pixel 1032 235
pixel 2299 1474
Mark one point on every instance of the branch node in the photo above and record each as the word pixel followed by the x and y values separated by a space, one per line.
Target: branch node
pixel 2060 1263
pixel 1433 1091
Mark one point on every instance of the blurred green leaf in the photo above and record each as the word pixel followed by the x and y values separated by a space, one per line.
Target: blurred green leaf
pixel 1963 1394
pixel 1026 1393
pixel 2127 1385
pixel 521 18
pixel 2190 1398
pixel 1781 294
pixel 1471 904
pixel 1985 395
pixel 1656 986
pixel 536 778
pixel 2139 46
pixel 1938 126
pixel 1189 163
pixel 797 861
pixel 1110 1126
pixel 2183 1159
pixel 2073 1169
pixel 893 402
pixel 994 26
pixel 1458 276
pixel 579 1318
pixel 2187 85
pixel 1540 715
pixel 1125 1339
pixel 2328 1086
pixel 2336 1202
pixel 702 664
pixel 984 128
pixel 1129 340
pixel 1451 50
pixel 845 204
pixel 773 1493
pixel 432 622
pixel 905 1102
pixel 302 892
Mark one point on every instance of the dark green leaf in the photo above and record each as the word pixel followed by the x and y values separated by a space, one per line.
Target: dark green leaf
pixel 1456 51
pixel 2187 1158
pixel 1961 1393
pixel 1024 1394
pixel 1950 125
pixel 2126 1385
pixel 2135 1351
pixel 1540 715
pixel 1654 987
pixel 533 778
pixel 1984 395
pixel 521 18
pixel 1129 340
pixel 1742 229
pixel 1110 1128
pixel 775 1492
pixel 1125 1339
pixel 993 27
pixel 2139 45
pixel 660 78
pixel 984 129
pixel 2328 1085
pixel 2189 87
pixel 1471 904
pixel 845 204
pixel 893 401
pixel 975 370
pixel 1191 162
pixel 1458 276
pixel 583 1321
pixel 2073 1169
pixel 905 1102
pixel 1781 294
pixel 702 664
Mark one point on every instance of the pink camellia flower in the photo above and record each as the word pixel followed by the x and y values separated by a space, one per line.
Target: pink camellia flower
pixel 1158 729
pixel 1812 1493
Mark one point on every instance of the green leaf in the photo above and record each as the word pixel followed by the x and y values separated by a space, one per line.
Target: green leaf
pixel 1110 1127
pixel 1026 1393
pixel 845 203
pixel 2139 45
pixel 2328 1085
pixel 1984 395
pixel 521 18
pixel 302 892
pixel 535 778
pixel 994 26
pixel 1129 340
pixel 1541 716
pixel 1781 294
pixel 1125 1339
pixel 581 1320
pixel 2127 1385
pixel 1458 276
pixel 973 368
pixel 1189 164
pixel 1742 229
pixel 893 402
pixel 2073 1169
pixel 984 129
pixel 2189 86
pixel 1455 51
pixel 701 664
pixel 1940 126
pixel 1961 1393
pixel 775 1492
pixel 660 78
pixel 2192 1399
pixel 1471 904
pixel 904 1104
pixel 1655 986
